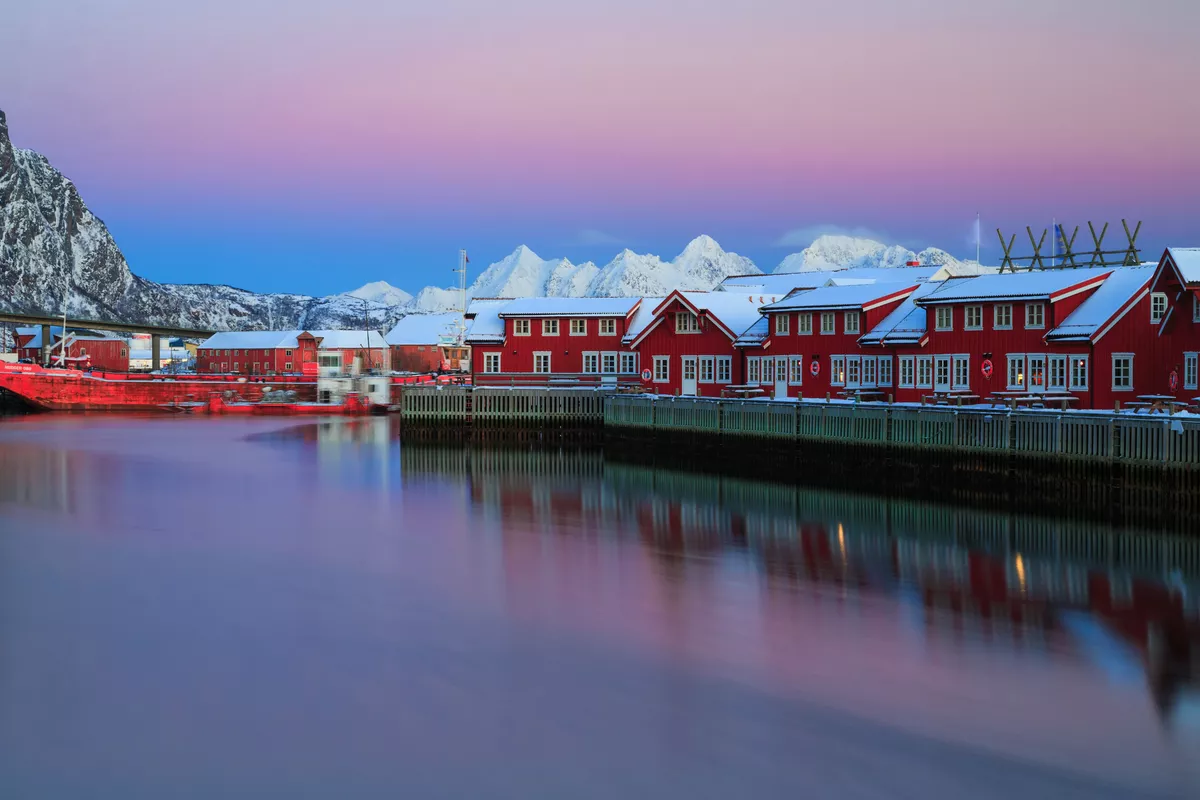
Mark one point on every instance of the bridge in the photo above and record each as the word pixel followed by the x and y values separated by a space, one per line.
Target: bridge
pixel 155 331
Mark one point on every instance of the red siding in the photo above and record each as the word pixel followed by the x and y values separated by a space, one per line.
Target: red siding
pixel 663 341
pixel 566 350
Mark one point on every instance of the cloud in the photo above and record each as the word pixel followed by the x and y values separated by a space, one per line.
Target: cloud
pixel 803 237
pixel 593 236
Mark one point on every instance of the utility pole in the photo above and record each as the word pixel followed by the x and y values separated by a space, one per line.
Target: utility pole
pixel 462 296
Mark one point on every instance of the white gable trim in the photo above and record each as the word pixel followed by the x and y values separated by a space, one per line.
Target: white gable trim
pixel 1145 290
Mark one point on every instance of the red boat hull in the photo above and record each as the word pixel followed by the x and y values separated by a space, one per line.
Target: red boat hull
pixel 73 390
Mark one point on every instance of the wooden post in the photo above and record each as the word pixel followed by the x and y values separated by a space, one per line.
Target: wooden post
pixel 827 397
pixel 1117 407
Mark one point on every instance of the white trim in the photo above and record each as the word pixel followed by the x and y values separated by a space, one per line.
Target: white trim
pixel 727 361
pixel 911 383
pixel 549 363
pixel 1071 362
pixel 694 319
pixel 937 318
pixel 546 325
pixel 592 354
pixel 799 328
pixel 488 357
pixel 1121 314
pixel 1022 374
pixel 1065 362
pixel 633 359
pixel 795 370
pixel 938 361
pixel 600 326
pixel 960 358
pixel 786 319
pixel 665 361
pixel 753 371
pixel 712 370
pixel 1042 324
pixel 1154 296
pixel 927 362
pixel 1006 327
pixel 833 370
pixel 967 326
pixel 832 328
pixel 1113 372
pixel 638 339
pixel 1194 358
pixel 899 296
pixel 571 326
pixel 1054 297
pixel 616 357
pixel 851 315
pixel 880 363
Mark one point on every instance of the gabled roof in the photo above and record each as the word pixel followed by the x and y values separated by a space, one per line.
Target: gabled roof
pixel 486 325
pixel 783 283
pixel 907 322
pixel 1187 263
pixel 755 333
pixel 642 318
pixel 570 307
pixel 730 312
pixel 851 297
pixel 422 329
pixel 348 340
pixel 1049 284
pixel 271 340
pixel 1096 315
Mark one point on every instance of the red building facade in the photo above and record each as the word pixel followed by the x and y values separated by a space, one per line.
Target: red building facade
pixel 291 352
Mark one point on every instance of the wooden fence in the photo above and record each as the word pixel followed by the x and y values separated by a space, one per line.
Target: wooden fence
pixel 487 406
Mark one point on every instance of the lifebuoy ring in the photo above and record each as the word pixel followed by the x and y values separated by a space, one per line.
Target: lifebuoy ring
pixel 986 368
pixel 814 368
pixel 647 374
pixel 1173 381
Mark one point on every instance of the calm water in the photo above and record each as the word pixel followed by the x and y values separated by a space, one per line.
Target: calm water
pixel 256 608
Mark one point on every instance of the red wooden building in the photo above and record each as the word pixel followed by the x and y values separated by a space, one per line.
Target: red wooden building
pixel 808 342
pixel 428 343
pixel 687 344
pixel 292 352
pixel 538 339
pixel 100 352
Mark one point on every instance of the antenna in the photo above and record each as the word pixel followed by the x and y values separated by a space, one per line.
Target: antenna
pixel 462 295
pixel 978 236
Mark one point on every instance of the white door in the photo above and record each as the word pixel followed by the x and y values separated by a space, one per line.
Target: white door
pixel 1037 373
pixel 781 377
pixel 941 373
pixel 688 385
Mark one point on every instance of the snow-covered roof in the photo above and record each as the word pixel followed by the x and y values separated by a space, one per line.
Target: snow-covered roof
pixel 755 333
pixel 570 307
pixel 735 311
pixel 641 318
pixel 962 269
pixel 853 296
pixel 781 283
pixel 1031 285
pixel 1187 261
pixel 269 340
pixel 907 322
pixel 348 340
pixel 486 327
pixel 773 284
pixel 420 329
pixel 1122 286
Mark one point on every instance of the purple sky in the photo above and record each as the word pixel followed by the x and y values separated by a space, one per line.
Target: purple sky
pixel 314 146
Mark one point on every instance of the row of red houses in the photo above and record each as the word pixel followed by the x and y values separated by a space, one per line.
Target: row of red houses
pixel 1102 335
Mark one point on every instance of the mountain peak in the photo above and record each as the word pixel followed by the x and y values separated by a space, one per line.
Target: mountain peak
pixel 703 245
pixel 381 292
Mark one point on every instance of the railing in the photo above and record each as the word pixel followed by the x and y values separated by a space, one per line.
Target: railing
pixel 500 405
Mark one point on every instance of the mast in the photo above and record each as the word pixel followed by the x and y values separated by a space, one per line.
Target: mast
pixel 462 296
pixel 978 235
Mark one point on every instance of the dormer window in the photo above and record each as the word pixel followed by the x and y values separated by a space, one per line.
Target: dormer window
pixel 1158 307
pixel 686 322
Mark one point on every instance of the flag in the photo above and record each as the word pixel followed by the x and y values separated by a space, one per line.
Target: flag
pixel 1060 240
pixel 466 258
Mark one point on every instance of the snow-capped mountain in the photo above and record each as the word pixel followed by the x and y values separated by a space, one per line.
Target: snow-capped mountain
pixel 832 252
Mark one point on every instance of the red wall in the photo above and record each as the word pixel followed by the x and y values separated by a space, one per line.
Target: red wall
pixel 664 341
pixel 566 351
pixel 268 360
pixel 416 358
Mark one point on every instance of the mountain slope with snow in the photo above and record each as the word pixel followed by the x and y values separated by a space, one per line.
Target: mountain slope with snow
pixel 833 252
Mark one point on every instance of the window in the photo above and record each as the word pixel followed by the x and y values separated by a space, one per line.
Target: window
pixel 706 369
pixel 286 367
pixel 549 327
pixel 853 371
pixel 907 373
pixel 1035 315
pixel 236 352
pixel 804 324
pixel 686 322
pixel 973 318
pixel 1122 372
pixel 885 370
pixel 1002 318
pixel 285 352
pixel 1189 370
pixel 1158 307
pixel 925 372
pixel 724 364
pixel 491 362
pixel 1196 308
pixel 945 318
pixel 541 362
pixel 608 327
pixel 520 327
pixel 591 363
pixel 796 370
pixel 1058 373
pixel 850 322
pixel 689 369
pixel 869 375
pixel 662 369
pixel 1016 370
pixel 579 327
pixel 962 372
pixel 629 363
pixel 941 373
pixel 782 323
pixel 236 367
pixel 212 366
pixel 768 370
pixel 1079 373
pixel 608 363
pixel 1035 376
pixel 329 360
pixel 124 352
pixel 826 322
pixel 837 370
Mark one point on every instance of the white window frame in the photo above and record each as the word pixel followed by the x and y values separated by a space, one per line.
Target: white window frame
pixel 550 327
pixel 1032 359
pixel 521 327
pixel 1191 368
pixel 286 367
pixel 783 324
pixel 885 370
pixel 977 311
pixel 752 370
pixel 1030 325
pixel 831 318
pixel 943 318
pixel 724 369
pixel 591 363
pixel 1014 367
pixel 706 368
pixel 1122 357
pixel 804 323
pixel 1062 364
pixel 1074 368
pixel 795 370
pixel 581 324
pixel 837 370
pixel 629 363
pixel 924 372
pixel 536 357
pixel 870 372
pixel 849 317
pixel 1196 308
pixel 996 324
pixel 907 379
pixel 662 369
pixel 961 365
pixel 1158 307
pixel 605 357
pixel 853 372
pixel 938 362
pixel 768 371
pixel 686 322
pixel 608 326
pixel 491 363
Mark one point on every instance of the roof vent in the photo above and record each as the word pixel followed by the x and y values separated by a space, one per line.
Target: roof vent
pixel 912 264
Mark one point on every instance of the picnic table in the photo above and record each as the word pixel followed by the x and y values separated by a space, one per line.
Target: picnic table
pixel 946 398
pixel 742 390
pixel 862 394
pixel 1157 402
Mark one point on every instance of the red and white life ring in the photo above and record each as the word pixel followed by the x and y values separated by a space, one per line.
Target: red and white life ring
pixel 647 374
pixel 814 368
pixel 986 368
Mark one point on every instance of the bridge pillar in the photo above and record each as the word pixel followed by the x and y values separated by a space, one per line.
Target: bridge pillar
pixel 46 345
pixel 155 353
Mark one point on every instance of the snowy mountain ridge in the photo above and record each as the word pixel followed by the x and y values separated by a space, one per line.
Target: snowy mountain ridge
pixel 834 252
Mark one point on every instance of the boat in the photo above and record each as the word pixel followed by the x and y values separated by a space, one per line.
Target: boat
pixel 79 390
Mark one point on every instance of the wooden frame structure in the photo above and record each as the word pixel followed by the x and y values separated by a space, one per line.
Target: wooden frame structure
pixel 1070 258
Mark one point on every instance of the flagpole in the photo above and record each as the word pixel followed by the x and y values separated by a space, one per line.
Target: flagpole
pixel 978 233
